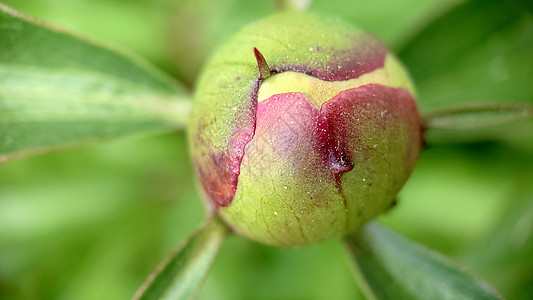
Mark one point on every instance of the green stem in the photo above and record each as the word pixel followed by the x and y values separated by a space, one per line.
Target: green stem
pixel 176 110
pixel 292 5
pixel 477 116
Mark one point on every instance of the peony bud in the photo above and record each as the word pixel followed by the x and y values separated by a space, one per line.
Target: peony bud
pixel 308 137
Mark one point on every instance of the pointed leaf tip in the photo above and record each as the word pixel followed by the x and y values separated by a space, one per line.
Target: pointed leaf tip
pixel 264 70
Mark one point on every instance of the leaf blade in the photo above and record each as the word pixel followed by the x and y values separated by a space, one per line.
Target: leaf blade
pixel 50 79
pixel 393 267
pixel 180 274
pixel 488 61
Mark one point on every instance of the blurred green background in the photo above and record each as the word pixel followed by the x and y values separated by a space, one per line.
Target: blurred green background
pixel 91 223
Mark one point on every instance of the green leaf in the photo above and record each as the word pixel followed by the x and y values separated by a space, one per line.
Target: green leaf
pixel 180 275
pixel 477 52
pixel 58 91
pixel 392 21
pixel 392 267
pixel 505 253
pixel 477 116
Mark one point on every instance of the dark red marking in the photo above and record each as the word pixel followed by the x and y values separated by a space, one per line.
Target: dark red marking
pixel 291 128
pixel 374 104
pixel 219 176
pixel 367 55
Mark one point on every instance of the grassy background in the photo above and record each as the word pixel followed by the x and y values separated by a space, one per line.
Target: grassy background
pixel 91 223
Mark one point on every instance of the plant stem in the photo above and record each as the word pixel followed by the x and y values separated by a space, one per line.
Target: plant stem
pixel 291 5
pixel 477 116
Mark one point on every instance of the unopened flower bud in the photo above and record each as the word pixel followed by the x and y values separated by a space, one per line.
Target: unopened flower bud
pixel 303 128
